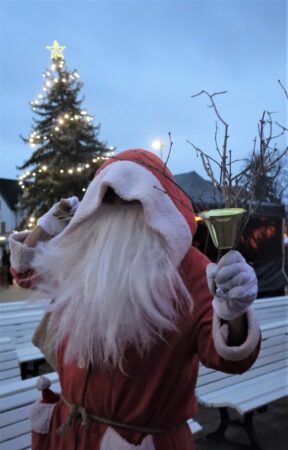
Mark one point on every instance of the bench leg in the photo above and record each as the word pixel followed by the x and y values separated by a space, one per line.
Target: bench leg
pixel 247 424
pixel 218 435
pixel 249 428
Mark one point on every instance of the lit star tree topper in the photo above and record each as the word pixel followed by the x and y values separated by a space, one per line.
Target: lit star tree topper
pixel 56 50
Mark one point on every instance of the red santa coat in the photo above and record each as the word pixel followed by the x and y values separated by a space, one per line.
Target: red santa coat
pixel 157 391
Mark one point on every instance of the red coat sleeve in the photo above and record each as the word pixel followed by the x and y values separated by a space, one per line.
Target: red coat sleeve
pixel 208 335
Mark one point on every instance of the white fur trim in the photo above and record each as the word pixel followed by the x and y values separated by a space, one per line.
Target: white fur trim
pixel 236 353
pixel 113 441
pixel 132 181
pixel 21 254
pixel 40 416
pixel 43 383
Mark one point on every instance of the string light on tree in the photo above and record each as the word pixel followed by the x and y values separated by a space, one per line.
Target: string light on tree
pixel 67 147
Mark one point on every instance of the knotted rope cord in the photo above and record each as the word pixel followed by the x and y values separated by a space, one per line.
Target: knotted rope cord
pixel 76 410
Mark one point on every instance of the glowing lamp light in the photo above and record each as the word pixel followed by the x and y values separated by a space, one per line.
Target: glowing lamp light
pixel 87 166
pixel 44 168
pixel 83 189
pixel 61 171
pixel 157 144
pixel 198 219
pixel 79 169
pixel 70 171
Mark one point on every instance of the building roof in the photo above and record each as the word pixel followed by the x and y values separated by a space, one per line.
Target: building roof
pixel 10 191
pixel 200 191
pixel 203 195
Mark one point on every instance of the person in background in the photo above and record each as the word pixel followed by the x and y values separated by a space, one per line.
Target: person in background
pixel 135 309
pixel 6 267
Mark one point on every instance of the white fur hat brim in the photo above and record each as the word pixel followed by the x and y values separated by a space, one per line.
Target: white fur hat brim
pixel 132 181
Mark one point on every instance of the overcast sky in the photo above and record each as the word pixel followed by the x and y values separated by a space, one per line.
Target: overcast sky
pixel 140 62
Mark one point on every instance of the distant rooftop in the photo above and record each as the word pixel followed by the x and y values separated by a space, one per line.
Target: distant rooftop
pixel 200 191
pixel 203 196
pixel 10 191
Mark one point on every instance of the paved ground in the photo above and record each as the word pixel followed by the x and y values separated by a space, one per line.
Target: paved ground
pixel 271 426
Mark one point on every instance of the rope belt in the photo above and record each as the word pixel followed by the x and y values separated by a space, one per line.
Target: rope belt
pixel 77 410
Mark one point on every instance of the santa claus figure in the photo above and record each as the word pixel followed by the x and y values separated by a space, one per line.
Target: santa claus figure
pixel 132 314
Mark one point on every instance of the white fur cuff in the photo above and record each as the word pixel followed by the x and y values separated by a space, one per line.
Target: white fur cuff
pixel 237 353
pixel 113 441
pixel 21 254
pixel 40 416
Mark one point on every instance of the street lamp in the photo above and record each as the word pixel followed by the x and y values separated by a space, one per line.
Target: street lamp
pixel 158 146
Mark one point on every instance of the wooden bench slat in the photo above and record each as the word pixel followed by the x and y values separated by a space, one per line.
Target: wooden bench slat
pixel 19 443
pixel 258 392
pixel 14 430
pixel 267 397
pixel 194 426
pixel 10 355
pixel 11 373
pixel 15 415
pixel 25 385
pixel 235 380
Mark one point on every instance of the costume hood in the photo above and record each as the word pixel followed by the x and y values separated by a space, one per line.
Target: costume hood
pixel 141 175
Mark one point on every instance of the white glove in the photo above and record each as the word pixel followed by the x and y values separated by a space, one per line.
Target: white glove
pixel 236 285
pixel 55 220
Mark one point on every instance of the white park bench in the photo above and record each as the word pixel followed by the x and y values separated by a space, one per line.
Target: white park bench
pixel 15 403
pixel 9 364
pixel 20 327
pixel 273 309
pixel 21 305
pixel 263 383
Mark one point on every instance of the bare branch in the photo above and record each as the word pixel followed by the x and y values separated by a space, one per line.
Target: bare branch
pixel 285 92
pixel 199 151
pixel 169 152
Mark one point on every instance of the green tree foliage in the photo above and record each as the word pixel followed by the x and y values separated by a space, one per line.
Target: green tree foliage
pixel 66 152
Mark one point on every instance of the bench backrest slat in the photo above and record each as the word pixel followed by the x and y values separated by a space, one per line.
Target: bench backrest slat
pixel 9 365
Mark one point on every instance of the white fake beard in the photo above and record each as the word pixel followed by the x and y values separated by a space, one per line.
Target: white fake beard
pixel 114 285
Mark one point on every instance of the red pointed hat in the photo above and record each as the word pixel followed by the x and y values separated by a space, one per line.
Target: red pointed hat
pixel 141 175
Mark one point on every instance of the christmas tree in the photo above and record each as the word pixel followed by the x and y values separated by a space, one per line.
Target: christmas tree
pixel 67 150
